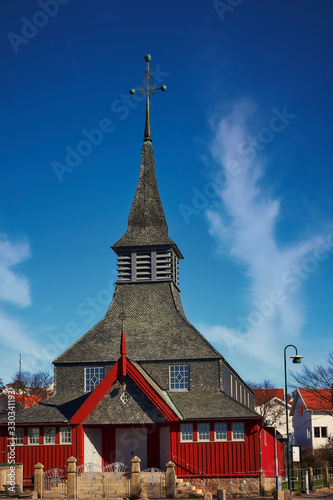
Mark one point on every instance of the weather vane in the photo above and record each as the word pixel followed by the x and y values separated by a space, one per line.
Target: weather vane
pixel 147 89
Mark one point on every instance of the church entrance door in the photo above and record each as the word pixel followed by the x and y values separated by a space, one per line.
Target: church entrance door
pixel 131 442
pixel 93 446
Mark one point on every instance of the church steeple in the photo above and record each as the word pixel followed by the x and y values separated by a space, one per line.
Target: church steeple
pixel 146 252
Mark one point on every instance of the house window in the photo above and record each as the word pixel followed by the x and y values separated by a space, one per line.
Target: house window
pixel 179 377
pixel 33 435
pixel 93 376
pixel 65 435
pixel 203 431
pixel 320 432
pixel 301 411
pixel 186 432
pixel 19 436
pixel 308 434
pixel 49 435
pixel 237 429
pixel 221 433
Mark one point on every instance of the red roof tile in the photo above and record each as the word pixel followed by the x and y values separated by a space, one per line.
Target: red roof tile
pixel 317 399
pixel 264 395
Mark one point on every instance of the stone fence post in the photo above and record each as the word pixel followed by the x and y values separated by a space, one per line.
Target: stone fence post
pixel 326 477
pixel 71 477
pixel 39 480
pixel 135 476
pixel 170 480
pixel 221 495
pixel 311 481
pixel 262 488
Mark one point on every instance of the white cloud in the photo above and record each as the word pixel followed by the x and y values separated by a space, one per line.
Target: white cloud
pixel 14 288
pixel 244 226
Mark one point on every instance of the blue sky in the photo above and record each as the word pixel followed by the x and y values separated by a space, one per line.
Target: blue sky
pixel 243 150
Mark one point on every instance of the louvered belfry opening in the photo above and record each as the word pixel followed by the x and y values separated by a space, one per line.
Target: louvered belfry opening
pixel 148 265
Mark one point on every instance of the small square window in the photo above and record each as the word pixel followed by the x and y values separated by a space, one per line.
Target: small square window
pixel 179 377
pixel 49 435
pixel 221 433
pixel 33 435
pixel 316 432
pixel 324 432
pixel 186 432
pixel 19 436
pixel 203 431
pixel 93 376
pixel 237 429
pixel 65 435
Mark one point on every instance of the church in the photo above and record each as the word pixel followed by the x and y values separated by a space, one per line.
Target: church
pixel 143 381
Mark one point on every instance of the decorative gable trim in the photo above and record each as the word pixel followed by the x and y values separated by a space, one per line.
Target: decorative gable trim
pixel 116 371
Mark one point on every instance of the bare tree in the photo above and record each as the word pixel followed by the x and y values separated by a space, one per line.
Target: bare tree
pixel 34 386
pixel 320 380
pixel 266 406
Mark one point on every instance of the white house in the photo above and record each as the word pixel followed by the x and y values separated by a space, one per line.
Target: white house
pixel 312 413
pixel 271 404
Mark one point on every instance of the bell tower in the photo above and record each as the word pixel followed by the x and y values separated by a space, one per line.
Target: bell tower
pixel 145 252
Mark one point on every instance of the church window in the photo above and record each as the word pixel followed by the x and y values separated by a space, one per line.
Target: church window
pixel 179 377
pixel 237 429
pixel 93 376
pixel 221 433
pixel 65 435
pixel 19 436
pixel 125 398
pixel 49 435
pixel 186 432
pixel 33 435
pixel 203 431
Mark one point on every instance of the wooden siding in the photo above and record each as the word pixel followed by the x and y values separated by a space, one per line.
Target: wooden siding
pixel 268 453
pixel 217 458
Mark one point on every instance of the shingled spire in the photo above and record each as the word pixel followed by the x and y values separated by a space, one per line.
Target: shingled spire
pixel 147 227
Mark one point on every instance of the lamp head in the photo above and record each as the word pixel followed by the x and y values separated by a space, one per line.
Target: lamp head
pixel 297 358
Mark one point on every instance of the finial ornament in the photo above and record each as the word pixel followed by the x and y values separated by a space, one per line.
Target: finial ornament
pixel 147 89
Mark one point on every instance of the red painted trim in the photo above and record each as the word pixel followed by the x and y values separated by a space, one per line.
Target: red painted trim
pixel 96 395
pixel 123 352
pixel 148 390
pixel 102 388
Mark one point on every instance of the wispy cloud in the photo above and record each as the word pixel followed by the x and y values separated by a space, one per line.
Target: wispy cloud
pixel 14 288
pixel 244 226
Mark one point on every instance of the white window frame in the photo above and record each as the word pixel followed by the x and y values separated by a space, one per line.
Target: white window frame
pixel 203 429
pixel 19 436
pixel 186 433
pixel 223 431
pixel 237 431
pixel 32 435
pixel 89 386
pixel 65 435
pixel 183 370
pixel 52 436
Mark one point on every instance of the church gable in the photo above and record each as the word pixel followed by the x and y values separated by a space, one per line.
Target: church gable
pixel 125 403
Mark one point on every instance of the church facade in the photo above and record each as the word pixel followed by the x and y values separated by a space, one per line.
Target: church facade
pixel 143 381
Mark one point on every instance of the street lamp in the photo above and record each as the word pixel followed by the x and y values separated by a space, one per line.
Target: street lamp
pixel 296 359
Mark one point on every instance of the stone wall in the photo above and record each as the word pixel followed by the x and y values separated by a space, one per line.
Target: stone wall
pixel 5 478
pixel 232 485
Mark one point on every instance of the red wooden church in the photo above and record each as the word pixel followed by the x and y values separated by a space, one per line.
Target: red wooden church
pixel 143 381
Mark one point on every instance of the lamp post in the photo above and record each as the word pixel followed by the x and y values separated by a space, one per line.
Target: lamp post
pixel 296 359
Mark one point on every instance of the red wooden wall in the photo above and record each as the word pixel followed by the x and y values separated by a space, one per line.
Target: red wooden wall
pixel 268 453
pixel 223 458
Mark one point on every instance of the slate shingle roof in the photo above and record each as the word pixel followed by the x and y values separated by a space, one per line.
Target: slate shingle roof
pixel 209 405
pixel 147 225
pixel 54 409
pixel 155 327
